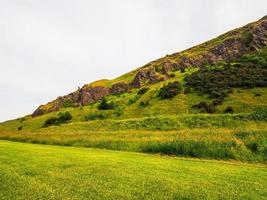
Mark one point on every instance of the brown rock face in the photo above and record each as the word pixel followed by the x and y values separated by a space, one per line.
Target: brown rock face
pixel 82 97
pixel 149 75
pixel 119 88
pixel 90 95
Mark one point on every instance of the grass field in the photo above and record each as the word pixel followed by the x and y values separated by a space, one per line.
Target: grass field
pixel 31 171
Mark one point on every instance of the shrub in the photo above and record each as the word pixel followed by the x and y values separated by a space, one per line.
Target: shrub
pixel 20 128
pixel 201 105
pixel 187 90
pixel 61 119
pixel 50 121
pixel 170 90
pixel 133 100
pixel 144 104
pixel 217 102
pixel 142 91
pixel 182 70
pixel 229 109
pixel 260 114
pixel 210 108
pixel 104 105
pixel 204 107
pixel 172 75
pixel 257 94
pixel 247 38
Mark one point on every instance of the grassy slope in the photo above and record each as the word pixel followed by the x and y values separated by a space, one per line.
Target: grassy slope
pixel 29 171
pixel 241 100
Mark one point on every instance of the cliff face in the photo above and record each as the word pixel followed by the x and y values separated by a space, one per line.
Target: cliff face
pixel 228 46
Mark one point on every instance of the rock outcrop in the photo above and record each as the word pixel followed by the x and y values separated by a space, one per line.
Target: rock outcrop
pixel 228 46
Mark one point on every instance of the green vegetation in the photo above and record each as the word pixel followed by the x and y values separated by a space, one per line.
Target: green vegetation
pixel 68 103
pixel 200 135
pixel 61 119
pixel 78 173
pixel 104 105
pixel 218 80
pixel 170 90
pixel 142 91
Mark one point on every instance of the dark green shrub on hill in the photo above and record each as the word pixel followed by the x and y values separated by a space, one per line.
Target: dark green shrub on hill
pixel 142 91
pixel 170 90
pixel 104 105
pixel 204 107
pixel 61 119
pixel 143 104
pixel 172 75
pixel 247 38
pixel 260 114
pixel 229 109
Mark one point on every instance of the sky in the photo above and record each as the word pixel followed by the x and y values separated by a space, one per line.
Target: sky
pixel 49 48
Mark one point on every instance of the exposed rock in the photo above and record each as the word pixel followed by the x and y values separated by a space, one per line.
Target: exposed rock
pixel 92 94
pixel 147 74
pixel 82 97
pixel 119 88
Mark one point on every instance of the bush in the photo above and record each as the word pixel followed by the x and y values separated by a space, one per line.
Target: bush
pixel 247 38
pixel 217 102
pixel 64 117
pixel 104 105
pixel 260 114
pixel 133 100
pixel 50 121
pixel 257 94
pixel 210 108
pixel 20 128
pixel 229 109
pixel 144 104
pixel 61 119
pixel 170 90
pixel 172 75
pixel 142 91
pixel 204 107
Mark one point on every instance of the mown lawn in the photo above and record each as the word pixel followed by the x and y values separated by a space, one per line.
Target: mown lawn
pixel 31 171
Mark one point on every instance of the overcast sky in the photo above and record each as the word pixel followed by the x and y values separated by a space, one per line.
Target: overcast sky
pixel 49 48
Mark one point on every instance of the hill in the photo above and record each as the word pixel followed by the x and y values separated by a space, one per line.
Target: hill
pixel 208 101
pixel 226 47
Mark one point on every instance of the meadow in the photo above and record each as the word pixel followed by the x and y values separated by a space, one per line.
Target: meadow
pixel 51 172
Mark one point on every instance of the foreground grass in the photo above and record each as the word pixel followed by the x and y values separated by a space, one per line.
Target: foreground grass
pixel 30 171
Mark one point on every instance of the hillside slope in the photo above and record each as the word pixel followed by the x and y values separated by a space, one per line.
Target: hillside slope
pixel 212 105
pixel 228 46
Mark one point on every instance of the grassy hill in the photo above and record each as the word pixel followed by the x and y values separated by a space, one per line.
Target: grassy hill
pixel 50 172
pixel 207 101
